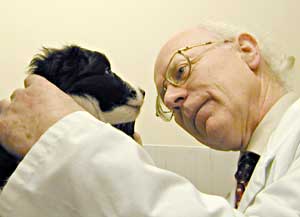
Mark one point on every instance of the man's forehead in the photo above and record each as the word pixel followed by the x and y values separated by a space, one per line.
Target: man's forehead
pixel 180 40
pixel 189 37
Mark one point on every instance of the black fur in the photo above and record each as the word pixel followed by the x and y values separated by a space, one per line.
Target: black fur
pixel 81 72
pixel 8 164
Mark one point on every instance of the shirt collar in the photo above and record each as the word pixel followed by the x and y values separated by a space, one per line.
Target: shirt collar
pixel 264 129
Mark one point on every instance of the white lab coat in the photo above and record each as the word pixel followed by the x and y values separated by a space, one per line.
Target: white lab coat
pixel 84 168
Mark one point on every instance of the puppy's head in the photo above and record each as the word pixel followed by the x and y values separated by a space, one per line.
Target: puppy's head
pixel 86 75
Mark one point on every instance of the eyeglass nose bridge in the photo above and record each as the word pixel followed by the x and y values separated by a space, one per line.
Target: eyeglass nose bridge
pixel 174 97
pixel 160 98
pixel 162 111
pixel 166 112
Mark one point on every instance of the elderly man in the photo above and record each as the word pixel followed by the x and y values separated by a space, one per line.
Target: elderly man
pixel 221 90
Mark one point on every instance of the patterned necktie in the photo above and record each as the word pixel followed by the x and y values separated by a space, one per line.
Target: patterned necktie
pixel 246 165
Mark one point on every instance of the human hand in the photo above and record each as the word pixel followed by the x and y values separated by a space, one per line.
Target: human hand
pixel 137 138
pixel 30 112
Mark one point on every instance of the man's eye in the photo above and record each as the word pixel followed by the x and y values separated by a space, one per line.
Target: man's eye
pixel 180 72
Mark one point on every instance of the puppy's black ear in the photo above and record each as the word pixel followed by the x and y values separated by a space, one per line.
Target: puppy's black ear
pixel 60 66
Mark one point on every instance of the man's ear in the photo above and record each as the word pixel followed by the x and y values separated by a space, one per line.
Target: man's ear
pixel 249 50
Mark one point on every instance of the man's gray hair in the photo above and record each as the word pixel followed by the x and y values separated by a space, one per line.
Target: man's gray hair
pixel 271 52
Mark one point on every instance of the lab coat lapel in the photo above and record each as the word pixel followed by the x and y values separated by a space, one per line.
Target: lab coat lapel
pixel 257 181
pixel 278 139
pixel 263 167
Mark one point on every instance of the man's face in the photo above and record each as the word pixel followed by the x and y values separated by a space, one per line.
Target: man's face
pixel 215 102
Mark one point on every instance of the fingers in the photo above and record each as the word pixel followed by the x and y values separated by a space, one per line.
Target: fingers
pixel 32 79
pixel 3 105
pixel 137 138
pixel 16 93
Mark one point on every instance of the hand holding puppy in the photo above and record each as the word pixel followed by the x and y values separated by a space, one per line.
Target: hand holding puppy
pixel 31 112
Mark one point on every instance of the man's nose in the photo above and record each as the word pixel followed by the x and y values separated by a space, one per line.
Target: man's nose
pixel 174 97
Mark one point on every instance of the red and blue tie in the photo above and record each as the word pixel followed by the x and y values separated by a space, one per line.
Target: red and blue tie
pixel 246 165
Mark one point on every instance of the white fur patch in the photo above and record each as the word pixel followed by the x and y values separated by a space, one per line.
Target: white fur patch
pixel 121 114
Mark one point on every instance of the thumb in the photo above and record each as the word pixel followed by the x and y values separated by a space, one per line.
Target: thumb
pixel 3 105
pixel 32 79
pixel 137 138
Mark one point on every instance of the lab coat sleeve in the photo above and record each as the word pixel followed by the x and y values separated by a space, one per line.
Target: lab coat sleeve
pixel 82 167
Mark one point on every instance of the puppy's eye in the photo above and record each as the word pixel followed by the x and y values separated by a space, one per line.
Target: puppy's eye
pixel 107 71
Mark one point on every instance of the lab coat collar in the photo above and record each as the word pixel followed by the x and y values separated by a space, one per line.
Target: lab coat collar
pixel 260 174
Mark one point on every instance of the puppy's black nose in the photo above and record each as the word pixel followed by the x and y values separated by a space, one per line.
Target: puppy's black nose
pixel 142 91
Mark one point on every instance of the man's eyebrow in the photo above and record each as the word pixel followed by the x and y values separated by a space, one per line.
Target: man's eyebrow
pixel 196 58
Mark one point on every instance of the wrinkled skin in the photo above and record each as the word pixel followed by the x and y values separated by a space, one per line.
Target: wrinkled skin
pixel 31 112
pixel 228 92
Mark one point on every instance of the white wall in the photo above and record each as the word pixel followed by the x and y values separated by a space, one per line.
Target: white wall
pixel 202 166
pixel 130 33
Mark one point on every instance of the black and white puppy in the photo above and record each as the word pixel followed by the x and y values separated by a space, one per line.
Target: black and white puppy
pixel 87 77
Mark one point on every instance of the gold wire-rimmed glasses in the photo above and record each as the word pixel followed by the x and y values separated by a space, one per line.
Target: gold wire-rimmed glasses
pixel 178 71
